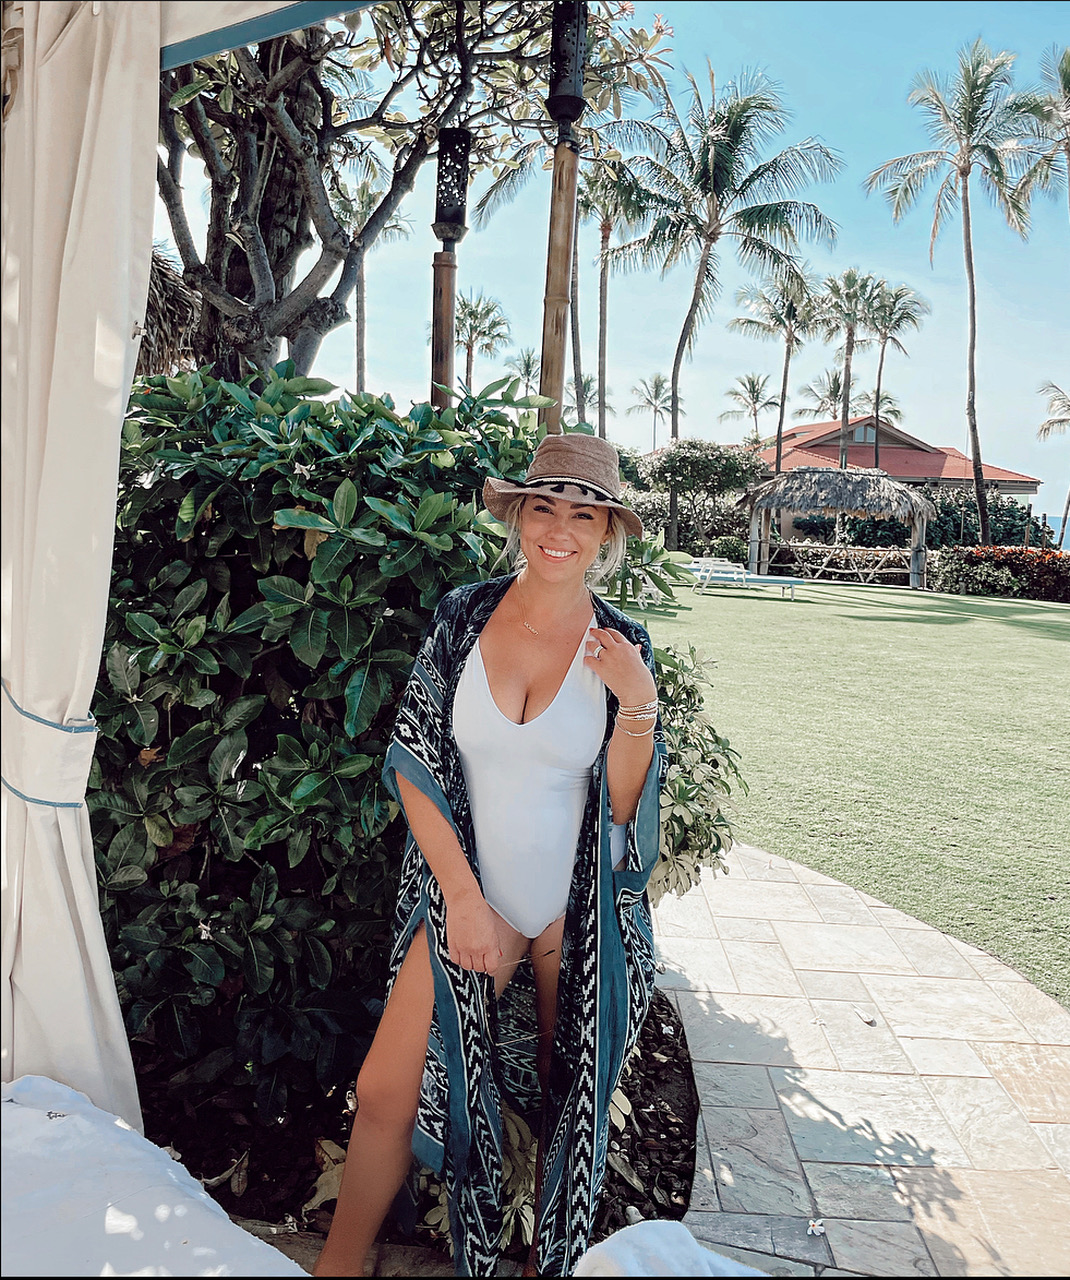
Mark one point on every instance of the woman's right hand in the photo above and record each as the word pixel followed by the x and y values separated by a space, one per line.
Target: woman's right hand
pixel 472 933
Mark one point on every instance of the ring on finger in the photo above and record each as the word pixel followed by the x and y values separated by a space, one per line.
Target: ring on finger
pixel 598 651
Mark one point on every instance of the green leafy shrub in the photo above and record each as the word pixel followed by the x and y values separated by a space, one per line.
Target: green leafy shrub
pixel 1031 572
pixel 731 548
pixel 277 560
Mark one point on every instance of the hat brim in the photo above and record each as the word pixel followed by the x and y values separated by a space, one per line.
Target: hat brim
pixel 498 493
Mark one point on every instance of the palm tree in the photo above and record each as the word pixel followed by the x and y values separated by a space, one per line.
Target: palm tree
pixel 781 309
pixel 891 312
pixel 354 207
pixel 588 395
pixel 846 307
pixel 976 121
pixel 525 364
pixel 891 410
pixel 1057 421
pixel 1051 127
pixel 708 184
pixel 482 327
pixel 752 397
pixel 826 393
pixel 655 398
pixel 610 195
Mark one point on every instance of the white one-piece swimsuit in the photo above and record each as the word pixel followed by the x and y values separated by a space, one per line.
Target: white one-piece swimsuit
pixel 527 786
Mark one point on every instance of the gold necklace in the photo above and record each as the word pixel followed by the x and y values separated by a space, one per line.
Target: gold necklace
pixel 523 611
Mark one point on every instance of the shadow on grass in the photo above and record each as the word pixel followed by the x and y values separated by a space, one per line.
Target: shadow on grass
pixel 777 1146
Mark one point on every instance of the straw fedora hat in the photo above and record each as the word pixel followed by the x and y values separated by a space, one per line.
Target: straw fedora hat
pixel 574 466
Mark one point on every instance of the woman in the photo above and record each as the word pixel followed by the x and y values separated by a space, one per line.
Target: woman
pixel 527 759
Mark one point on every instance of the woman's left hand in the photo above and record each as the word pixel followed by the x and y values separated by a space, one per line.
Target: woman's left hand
pixel 620 666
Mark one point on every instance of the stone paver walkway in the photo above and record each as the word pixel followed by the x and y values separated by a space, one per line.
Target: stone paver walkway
pixel 860 1068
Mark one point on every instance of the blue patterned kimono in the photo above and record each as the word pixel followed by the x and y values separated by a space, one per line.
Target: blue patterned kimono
pixel 479 1051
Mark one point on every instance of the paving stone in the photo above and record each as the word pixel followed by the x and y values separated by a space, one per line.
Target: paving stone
pixel 1044 1017
pixel 864 1118
pixel 893 918
pixel 760 900
pixel 828 984
pixel 953 1008
pixel 838 904
pixel 857 1045
pixel 704 1184
pixel 1026 1213
pixel 694 964
pixel 754 1162
pixel 761 1029
pixel 931 954
pixel 765 867
pixel 1056 1137
pixel 993 1132
pixel 856 1191
pixel 738 928
pixel 879 1248
pixel 782 1236
pixel 986 966
pixel 870 900
pixel 761 968
pixel 959 1240
pixel 1037 1076
pixel 686 917
pixel 943 1057
pixel 806 875
pixel 854 947
pixel 728 1084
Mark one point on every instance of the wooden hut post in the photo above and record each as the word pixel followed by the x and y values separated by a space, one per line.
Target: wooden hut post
pixel 752 553
pixel 568 50
pixel 917 552
pixel 763 549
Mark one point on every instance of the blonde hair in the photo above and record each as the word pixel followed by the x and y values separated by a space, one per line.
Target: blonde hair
pixel 602 570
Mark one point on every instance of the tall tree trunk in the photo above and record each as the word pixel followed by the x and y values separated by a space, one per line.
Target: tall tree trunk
pixel 603 324
pixel 783 404
pixel 359 327
pixel 469 363
pixel 877 407
pixel 672 532
pixel 574 320
pixel 1062 525
pixel 971 371
pixel 845 398
pixel 654 436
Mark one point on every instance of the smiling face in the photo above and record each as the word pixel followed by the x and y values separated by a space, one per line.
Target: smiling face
pixel 561 539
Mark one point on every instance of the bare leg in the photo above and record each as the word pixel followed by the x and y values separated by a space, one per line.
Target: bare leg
pixel 546 962
pixel 388 1093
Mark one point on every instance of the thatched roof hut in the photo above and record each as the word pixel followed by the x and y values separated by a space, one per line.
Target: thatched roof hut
pixel 171 314
pixel 860 491
pixel 857 491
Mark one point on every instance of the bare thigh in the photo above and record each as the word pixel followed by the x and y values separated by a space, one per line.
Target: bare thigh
pixel 388 1087
pixel 546 961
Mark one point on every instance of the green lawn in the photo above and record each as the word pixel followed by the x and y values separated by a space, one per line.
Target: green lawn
pixel 914 746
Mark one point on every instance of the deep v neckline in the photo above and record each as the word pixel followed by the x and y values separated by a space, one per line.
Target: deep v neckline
pixel 523 724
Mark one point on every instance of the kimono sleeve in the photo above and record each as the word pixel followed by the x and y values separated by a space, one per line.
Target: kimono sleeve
pixel 643 836
pixel 416 750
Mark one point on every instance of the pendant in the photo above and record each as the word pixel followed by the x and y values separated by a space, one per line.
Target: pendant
pixel 531 628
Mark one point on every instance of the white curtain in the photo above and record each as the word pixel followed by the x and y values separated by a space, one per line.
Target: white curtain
pixel 79 149
pixel 81 86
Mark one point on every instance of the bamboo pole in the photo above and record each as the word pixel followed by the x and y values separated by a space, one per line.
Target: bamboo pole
pixel 558 272
pixel 443 317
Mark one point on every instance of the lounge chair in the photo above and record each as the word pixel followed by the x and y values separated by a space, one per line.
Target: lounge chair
pixel 712 571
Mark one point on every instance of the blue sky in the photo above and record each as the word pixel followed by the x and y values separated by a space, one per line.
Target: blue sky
pixel 845 70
